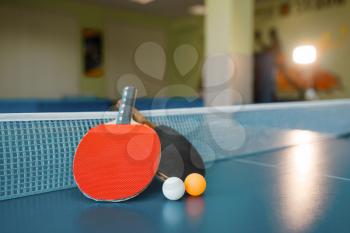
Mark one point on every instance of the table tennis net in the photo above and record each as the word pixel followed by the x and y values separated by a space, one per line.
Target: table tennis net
pixel 37 150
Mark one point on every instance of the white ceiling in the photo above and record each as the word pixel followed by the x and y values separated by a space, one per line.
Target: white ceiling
pixel 157 7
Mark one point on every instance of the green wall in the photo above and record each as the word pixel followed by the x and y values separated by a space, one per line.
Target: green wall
pixel 186 30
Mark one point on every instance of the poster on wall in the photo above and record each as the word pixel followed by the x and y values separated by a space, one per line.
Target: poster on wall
pixel 92 53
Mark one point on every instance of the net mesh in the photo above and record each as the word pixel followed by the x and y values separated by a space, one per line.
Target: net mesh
pixel 36 154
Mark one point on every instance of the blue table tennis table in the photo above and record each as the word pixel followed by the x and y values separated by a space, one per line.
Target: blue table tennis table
pixel 292 186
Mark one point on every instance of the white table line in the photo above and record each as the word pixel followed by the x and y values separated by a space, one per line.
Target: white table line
pixel 276 167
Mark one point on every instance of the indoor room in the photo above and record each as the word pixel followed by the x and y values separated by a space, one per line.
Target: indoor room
pixel 174 116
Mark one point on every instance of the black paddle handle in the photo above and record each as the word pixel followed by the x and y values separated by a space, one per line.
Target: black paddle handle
pixel 126 105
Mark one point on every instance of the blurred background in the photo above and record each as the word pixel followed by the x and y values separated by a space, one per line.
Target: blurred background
pixel 77 55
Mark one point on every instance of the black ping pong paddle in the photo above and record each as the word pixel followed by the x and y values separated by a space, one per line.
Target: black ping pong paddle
pixel 179 157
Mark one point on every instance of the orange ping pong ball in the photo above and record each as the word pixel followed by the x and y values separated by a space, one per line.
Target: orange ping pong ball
pixel 195 184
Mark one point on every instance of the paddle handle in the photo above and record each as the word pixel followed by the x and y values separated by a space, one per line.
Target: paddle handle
pixel 140 118
pixel 126 105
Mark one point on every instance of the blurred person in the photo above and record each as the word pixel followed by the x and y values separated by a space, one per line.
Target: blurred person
pixel 264 71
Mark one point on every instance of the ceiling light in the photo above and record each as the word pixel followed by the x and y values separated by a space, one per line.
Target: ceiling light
pixel 197 10
pixel 143 2
pixel 305 54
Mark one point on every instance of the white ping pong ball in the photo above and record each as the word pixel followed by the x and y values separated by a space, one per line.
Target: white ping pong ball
pixel 173 188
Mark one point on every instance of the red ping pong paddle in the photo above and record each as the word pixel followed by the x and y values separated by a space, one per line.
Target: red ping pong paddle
pixel 117 162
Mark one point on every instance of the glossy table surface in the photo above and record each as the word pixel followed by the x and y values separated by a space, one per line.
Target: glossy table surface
pixel 304 188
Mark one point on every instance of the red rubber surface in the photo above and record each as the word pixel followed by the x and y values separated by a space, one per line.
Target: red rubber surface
pixel 116 162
